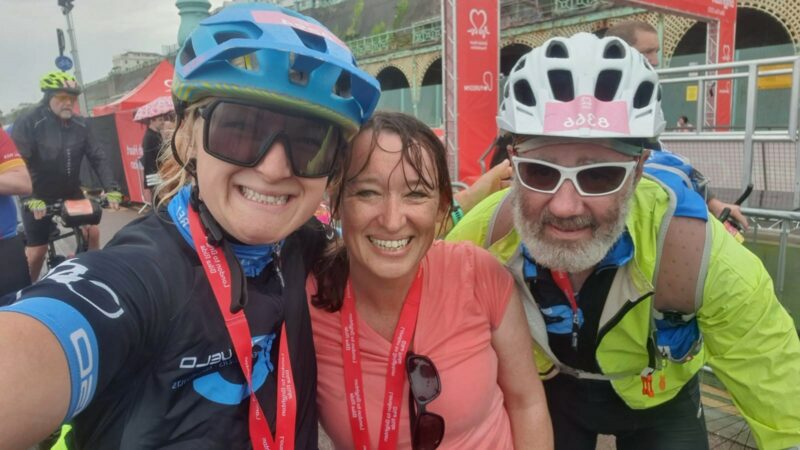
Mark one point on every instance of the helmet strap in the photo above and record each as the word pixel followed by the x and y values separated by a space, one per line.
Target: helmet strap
pixel 214 232
pixel 180 107
pixel 216 237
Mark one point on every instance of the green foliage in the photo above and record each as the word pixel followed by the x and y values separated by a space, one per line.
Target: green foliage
pixel 400 10
pixel 352 30
pixel 378 28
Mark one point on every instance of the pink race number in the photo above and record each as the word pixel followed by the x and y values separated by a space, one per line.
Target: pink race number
pixel 277 17
pixel 586 113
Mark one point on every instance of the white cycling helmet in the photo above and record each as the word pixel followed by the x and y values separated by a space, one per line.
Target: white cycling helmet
pixel 583 87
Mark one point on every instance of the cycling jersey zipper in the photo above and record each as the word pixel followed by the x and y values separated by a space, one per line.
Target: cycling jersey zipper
pixel 647 373
pixel 619 315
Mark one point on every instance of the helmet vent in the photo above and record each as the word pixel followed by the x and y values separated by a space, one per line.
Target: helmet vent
pixel 312 41
pixel 523 93
pixel 228 35
pixel 561 84
pixel 298 77
pixel 658 93
pixel 246 62
pixel 301 66
pixel 519 65
pixel 607 85
pixel 643 95
pixel 342 86
pixel 614 50
pixel 188 52
pixel 557 49
pixel 506 90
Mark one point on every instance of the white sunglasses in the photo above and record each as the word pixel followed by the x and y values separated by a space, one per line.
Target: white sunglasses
pixel 591 180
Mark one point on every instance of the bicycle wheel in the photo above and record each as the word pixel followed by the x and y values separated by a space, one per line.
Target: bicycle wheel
pixel 727 429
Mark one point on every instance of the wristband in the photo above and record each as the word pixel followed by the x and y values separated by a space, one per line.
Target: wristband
pixel 457 213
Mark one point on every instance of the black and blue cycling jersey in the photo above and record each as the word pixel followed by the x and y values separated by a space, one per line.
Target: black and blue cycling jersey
pixel 150 359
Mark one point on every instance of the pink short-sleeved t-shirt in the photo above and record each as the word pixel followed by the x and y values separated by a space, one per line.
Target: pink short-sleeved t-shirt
pixel 464 297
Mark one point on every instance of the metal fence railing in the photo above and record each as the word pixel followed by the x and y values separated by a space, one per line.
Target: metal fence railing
pixel 512 13
pixel 768 159
pixel 775 238
pixel 773 170
pixel 422 33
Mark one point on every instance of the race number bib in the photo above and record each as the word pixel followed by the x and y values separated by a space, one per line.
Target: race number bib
pixel 586 113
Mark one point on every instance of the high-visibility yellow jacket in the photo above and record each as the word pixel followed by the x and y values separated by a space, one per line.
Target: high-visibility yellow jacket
pixel 749 339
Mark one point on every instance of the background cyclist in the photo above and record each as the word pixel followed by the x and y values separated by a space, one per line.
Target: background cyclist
pixel 53 141
pixel 14 180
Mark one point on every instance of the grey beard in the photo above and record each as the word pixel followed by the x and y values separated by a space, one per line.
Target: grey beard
pixel 571 257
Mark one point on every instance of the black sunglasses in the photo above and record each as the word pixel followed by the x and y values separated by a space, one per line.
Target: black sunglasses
pixel 427 428
pixel 242 133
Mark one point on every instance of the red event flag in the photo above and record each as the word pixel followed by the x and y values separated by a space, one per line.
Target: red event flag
pixel 477 62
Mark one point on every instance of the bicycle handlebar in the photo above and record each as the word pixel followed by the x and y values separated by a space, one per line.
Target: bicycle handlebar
pixel 725 216
pixel 80 214
pixel 57 207
pixel 747 191
pixel 733 225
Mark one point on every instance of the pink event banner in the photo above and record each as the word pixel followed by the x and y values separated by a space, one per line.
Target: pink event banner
pixel 477 61
pixel 130 134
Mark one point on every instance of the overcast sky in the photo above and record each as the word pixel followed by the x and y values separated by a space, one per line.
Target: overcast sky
pixel 104 28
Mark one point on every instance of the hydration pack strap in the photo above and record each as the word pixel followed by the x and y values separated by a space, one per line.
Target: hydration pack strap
pixel 679 277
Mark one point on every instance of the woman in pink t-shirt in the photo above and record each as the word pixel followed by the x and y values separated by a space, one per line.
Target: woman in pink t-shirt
pixel 398 314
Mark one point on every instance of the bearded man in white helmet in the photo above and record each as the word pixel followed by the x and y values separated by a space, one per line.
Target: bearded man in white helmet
pixel 629 289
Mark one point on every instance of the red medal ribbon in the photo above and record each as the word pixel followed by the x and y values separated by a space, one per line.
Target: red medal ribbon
pixel 562 281
pixel 395 371
pixel 216 268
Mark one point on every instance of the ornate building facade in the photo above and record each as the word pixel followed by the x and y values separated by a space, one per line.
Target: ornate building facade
pixel 410 58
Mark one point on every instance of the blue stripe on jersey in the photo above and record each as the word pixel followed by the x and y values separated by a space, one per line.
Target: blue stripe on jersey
pixel 77 339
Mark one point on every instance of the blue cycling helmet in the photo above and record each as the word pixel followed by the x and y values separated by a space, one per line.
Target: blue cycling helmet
pixel 275 56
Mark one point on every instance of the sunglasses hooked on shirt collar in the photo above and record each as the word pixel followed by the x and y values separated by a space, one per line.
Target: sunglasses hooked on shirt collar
pixel 427 428
pixel 590 180
pixel 242 133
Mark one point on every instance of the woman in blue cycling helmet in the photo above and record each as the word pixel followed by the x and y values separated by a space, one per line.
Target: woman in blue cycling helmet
pixel 191 329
